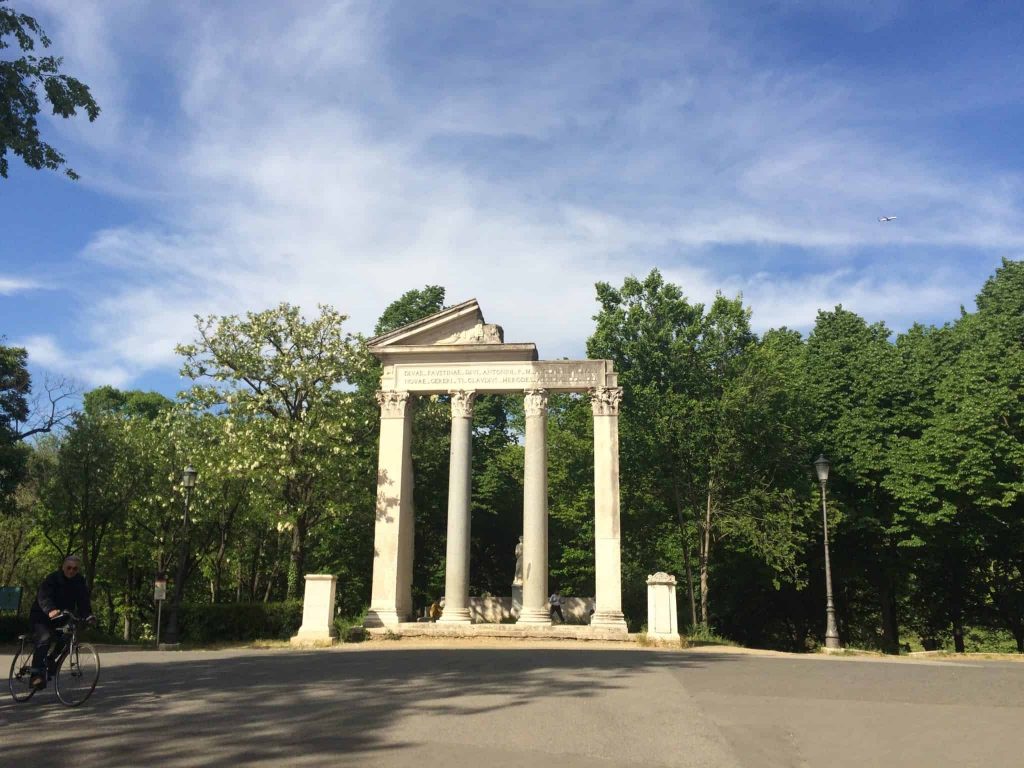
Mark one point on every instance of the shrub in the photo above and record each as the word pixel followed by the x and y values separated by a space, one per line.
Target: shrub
pixel 350 629
pixel 205 623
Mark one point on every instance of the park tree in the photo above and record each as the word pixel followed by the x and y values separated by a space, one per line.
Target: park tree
pixel 14 389
pixel 961 475
pixel 26 79
pixel 283 383
pixel 854 381
pixel 701 399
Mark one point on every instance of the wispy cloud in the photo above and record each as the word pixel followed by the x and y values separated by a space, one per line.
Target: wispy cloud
pixel 350 152
pixel 12 285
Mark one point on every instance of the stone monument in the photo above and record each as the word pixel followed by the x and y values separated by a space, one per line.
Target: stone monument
pixel 455 353
pixel 318 612
pixel 662 622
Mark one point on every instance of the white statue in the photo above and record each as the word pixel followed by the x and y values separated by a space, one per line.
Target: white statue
pixel 518 580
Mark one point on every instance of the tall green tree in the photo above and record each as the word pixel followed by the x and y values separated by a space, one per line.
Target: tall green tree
pixel 702 402
pixel 854 381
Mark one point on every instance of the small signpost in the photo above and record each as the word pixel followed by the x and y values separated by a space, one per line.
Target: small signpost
pixel 10 599
pixel 159 594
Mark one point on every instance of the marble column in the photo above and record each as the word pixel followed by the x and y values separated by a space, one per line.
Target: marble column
pixel 456 577
pixel 391 593
pixel 535 511
pixel 607 554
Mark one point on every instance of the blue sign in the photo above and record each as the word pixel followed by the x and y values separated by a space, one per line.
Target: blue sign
pixel 10 599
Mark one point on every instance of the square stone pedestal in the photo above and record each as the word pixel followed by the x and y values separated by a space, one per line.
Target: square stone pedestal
pixel 662 622
pixel 318 612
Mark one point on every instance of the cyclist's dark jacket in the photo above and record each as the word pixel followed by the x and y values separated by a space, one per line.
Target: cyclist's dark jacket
pixel 59 592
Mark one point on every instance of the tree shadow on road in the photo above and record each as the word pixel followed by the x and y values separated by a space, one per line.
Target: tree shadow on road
pixel 289 707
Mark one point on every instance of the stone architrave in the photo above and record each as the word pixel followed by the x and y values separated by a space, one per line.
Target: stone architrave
pixel 456 582
pixel 391 593
pixel 604 403
pixel 318 611
pixel 535 610
pixel 662 621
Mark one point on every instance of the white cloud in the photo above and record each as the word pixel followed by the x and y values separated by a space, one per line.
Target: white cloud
pixel 311 158
pixel 12 285
pixel 47 353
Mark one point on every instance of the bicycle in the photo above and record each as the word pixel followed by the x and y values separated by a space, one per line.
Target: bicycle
pixel 76 668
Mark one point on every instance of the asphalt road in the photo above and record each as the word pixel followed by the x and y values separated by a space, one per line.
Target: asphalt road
pixel 389 704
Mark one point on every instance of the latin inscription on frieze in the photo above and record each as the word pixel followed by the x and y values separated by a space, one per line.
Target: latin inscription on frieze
pixel 565 375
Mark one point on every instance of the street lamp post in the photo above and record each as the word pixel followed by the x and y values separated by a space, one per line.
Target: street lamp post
pixel 188 482
pixel 821 466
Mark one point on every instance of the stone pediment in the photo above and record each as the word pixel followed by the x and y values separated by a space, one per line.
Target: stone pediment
pixel 456 333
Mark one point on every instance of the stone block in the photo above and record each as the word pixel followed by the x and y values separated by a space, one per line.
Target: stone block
pixel 318 612
pixel 662 622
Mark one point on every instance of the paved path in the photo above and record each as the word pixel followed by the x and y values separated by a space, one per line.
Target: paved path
pixel 393 704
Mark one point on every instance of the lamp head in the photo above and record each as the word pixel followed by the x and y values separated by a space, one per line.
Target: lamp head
pixel 188 477
pixel 821 466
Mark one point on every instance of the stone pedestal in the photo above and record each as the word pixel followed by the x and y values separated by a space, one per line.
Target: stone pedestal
pixel 517 600
pixel 662 622
pixel 318 612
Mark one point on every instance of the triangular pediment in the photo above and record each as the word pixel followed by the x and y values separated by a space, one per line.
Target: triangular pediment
pixel 453 332
pixel 448 326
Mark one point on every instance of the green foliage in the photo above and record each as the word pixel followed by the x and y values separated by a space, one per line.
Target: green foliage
pixel 412 306
pixel 717 431
pixel 15 386
pixel 283 380
pixel 240 621
pixel 712 433
pixel 21 81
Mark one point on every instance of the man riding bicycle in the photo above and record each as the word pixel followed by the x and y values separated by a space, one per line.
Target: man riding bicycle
pixel 63 590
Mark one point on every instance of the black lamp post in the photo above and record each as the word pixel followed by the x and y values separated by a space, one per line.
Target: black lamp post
pixel 821 466
pixel 188 482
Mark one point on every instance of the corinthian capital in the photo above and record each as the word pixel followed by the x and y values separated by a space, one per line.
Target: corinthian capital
pixel 392 404
pixel 462 403
pixel 605 400
pixel 535 402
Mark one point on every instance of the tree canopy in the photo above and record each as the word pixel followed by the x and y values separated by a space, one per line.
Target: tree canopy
pixel 23 81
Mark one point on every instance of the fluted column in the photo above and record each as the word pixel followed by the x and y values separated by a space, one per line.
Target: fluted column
pixel 535 511
pixel 456 577
pixel 607 554
pixel 391 593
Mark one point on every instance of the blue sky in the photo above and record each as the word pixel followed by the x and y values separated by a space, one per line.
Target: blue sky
pixel 345 152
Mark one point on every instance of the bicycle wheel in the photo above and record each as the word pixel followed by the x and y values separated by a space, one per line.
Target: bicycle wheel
pixel 20 680
pixel 77 675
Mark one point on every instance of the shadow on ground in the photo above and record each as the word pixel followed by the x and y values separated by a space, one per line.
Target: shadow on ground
pixel 279 706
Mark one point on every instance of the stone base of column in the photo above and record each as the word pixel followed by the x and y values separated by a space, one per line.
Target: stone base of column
pixel 609 620
pixel 455 616
pixel 382 617
pixel 535 617
pixel 313 640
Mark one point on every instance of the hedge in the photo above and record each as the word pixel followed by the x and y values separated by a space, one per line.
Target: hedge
pixel 205 623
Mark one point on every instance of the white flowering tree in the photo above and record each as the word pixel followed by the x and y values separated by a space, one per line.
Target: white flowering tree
pixel 285 385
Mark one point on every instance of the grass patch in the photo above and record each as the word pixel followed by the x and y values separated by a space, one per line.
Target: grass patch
pixel 702 635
